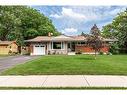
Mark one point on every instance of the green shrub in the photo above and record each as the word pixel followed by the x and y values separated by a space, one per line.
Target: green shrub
pixel 10 52
pixel 101 53
pixel 25 52
pixel 28 53
pixel 79 52
pixel 114 48
pixel 109 53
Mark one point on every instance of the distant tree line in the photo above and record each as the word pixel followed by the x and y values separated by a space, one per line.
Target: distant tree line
pixel 22 22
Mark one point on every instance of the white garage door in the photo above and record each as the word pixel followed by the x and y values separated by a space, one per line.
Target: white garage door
pixel 39 49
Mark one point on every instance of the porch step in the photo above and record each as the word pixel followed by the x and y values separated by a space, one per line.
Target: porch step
pixel 71 53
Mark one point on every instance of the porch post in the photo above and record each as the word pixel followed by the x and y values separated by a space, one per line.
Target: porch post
pixel 71 45
pixel 52 45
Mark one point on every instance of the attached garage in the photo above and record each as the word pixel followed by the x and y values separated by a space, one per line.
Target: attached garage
pixel 39 49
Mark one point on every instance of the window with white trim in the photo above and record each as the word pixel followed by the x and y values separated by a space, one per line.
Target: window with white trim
pixel 57 45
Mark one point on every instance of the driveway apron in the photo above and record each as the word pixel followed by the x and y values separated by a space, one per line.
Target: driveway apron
pixel 11 61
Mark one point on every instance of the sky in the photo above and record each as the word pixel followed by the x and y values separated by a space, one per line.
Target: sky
pixel 73 20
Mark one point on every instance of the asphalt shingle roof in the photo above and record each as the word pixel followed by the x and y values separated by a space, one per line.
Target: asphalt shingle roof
pixel 6 42
pixel 62 38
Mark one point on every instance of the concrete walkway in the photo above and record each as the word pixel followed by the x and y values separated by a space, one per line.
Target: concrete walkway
pixel 63 81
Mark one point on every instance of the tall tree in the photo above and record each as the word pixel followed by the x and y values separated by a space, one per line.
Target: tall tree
pixel 119 29
pixel 23 22
pixel 95 40
pixel 107 31
pixel 8 22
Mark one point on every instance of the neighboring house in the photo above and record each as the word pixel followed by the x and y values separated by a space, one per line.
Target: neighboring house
pixel 43 45
pixel 7 47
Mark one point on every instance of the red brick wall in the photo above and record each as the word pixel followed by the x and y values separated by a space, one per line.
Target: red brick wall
pixel 87 49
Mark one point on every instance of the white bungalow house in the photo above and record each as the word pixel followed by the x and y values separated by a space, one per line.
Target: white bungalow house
pixel 44 45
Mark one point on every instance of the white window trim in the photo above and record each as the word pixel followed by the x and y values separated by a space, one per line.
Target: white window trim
pixel 57 49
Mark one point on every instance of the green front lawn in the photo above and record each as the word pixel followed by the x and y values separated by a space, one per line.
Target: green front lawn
pixel 2 56
pixel 73 65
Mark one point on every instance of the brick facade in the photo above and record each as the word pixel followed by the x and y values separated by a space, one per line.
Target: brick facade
pixel 87 49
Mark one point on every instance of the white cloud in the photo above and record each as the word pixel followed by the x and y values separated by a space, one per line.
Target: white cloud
pixel 55 16
pixel 69 30
pixel 81 13
pixel 68 12
pixel 116 11
pixel 81 18
pixel 90 13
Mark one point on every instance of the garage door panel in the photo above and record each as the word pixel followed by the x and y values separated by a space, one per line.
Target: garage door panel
pixel 39 50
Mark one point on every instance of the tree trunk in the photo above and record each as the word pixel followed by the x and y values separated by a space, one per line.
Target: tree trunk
pixel 95 54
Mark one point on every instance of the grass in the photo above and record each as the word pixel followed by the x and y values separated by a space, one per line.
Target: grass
pixel 72 65
pixel 1 56
pixel 63 88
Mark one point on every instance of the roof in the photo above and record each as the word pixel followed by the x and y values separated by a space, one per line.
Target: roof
pixel 39 39
pixel 6 42
pixel 79 38
pixel 47 38
pixel 62 38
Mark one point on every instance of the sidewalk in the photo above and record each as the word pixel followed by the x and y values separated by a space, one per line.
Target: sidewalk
pixel 63 81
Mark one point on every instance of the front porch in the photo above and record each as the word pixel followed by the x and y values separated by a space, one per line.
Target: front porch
pixel 62 48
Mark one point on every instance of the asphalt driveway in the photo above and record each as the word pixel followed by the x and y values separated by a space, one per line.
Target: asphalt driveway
pixel 11 61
